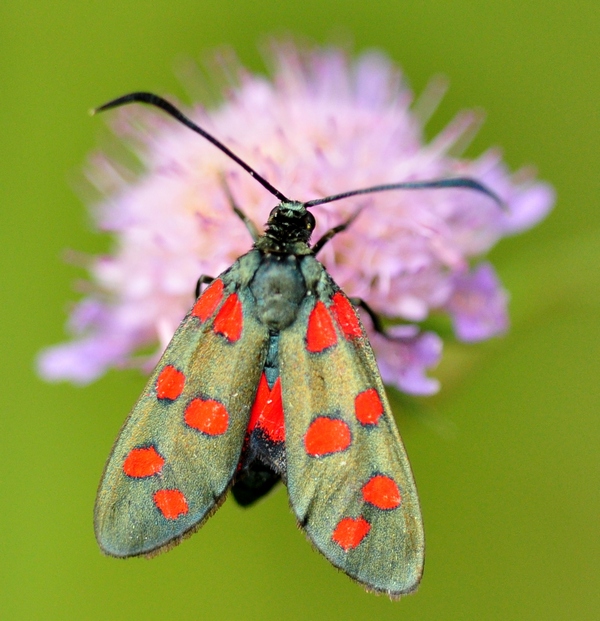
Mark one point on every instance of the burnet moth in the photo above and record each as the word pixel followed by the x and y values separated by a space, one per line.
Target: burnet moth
pixel 270 377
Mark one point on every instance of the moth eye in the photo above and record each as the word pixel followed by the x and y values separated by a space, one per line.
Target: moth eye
pixel 310 221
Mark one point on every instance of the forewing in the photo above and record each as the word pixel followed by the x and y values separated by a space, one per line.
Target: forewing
pixel 178 450
pixel 348 476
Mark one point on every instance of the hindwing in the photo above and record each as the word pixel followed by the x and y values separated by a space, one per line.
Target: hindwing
pixel 348 476
pixel 178 451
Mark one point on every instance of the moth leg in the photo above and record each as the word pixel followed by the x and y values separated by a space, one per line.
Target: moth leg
pixel 203 280
pixel 254 233
pixel 375 319
pixel 334 231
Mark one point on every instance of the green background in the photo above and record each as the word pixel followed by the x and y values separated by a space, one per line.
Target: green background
pixel 505 457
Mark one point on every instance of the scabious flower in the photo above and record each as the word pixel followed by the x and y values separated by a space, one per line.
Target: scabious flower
pixel 322 124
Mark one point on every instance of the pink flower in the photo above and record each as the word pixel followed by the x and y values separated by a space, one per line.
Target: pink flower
pixel 404 359
pixel 478 304
pixel 321 125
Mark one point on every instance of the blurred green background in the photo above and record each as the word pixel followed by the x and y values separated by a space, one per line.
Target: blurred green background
pixel 506 456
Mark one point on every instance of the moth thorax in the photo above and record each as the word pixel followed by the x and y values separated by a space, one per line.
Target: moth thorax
pixel 278 287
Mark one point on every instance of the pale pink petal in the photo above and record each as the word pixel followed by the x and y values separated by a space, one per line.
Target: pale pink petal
pixel 405 358
pixel 478 305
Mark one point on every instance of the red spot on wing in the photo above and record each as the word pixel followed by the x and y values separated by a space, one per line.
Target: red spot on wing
pixel 350 532
pixel 208 301
pixel 169 383
pixel 345 315
pixel 368 407
pixel 143 462
pixel 267 411
pixel 326 436
pixel 229 319
pixel 382 492
pixel 320 333
pixel 208 416
pixel 171 503
pixel 262 395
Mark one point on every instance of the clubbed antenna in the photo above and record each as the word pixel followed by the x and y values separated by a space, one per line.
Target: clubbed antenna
pixel 163 104
pixel 456 182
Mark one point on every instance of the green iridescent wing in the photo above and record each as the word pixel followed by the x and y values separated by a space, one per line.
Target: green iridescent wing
pixel 348 476
pixel 176 455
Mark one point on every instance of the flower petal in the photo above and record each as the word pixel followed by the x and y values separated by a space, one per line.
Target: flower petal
pixel 478 305
pixel 404 360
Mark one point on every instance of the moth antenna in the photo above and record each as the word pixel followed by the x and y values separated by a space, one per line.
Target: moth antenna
pixel 457 182
pixel 163 104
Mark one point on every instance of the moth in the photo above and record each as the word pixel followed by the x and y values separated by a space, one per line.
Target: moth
pixel 270 377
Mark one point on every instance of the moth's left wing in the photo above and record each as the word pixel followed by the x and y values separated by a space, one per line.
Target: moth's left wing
pixel 348 475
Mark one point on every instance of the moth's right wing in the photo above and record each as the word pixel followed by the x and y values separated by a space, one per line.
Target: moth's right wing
pixel 179 449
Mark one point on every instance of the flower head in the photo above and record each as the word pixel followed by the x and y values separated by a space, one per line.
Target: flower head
pixel 323 124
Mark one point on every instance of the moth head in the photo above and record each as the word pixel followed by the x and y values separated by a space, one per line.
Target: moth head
pixel 290 222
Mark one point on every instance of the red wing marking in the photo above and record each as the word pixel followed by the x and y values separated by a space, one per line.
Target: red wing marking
pixel 143 462
pixel 208 301
pixel 326 436
pixel 229 319
pixel 208 416
pixel 345 315
pixel 171 503
pixel 368 407
pixel 320 333
pixel 382 492
pixel 350 532
pixel 169 383
pixel 267 411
